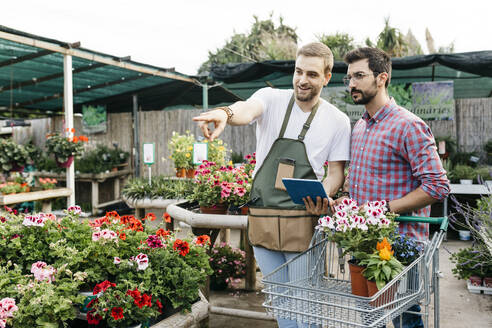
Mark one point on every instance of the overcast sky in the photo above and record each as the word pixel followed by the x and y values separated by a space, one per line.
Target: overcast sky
pixel 180 33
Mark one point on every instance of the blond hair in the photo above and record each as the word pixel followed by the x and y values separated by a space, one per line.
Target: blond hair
pixel 318 49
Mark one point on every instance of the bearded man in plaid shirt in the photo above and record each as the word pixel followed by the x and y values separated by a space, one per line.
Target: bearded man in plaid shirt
pixel 393 154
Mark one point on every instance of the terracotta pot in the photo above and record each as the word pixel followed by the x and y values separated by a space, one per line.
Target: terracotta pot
pixel 386 297
pixel 215 209
pixel 190 173
pixel 357 281
pixel 65 164
pixel 476 280
pixel 244 210
pixel 114 169
pixel 487 282
pixel 181 172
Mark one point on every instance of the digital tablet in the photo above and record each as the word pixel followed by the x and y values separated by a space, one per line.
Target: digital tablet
pixel 301 188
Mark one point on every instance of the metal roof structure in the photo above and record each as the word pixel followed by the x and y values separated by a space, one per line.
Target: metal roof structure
pixel 31 79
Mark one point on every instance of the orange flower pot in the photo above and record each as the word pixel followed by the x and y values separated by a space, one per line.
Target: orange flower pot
pixel 387 297
pixel 181 172
pixel 190 173
pixel 357 281
pixel 244 210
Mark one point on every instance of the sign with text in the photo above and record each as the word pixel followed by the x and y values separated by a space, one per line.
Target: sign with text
pixel 200 152
pixel 433 100
pixel 149 153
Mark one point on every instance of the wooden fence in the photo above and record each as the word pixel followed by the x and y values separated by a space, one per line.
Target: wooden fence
pixel 472 127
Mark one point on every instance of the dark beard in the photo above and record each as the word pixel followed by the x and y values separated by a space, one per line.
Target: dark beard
pixel 365 98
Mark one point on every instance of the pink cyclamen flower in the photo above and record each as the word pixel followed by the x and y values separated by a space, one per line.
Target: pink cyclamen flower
pixel 116 260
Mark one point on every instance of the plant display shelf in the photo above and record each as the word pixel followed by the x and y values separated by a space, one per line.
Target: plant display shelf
pixel 44 196
pixel 141 204
pixel 186 212
pixel 95 179
pixel 478 289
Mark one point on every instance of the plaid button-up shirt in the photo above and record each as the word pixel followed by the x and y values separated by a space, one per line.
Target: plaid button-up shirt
pixel 392 154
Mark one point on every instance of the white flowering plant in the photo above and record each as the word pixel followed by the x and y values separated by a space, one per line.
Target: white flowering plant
pixel 358 229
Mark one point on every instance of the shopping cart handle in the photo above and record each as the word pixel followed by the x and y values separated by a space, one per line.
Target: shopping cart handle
pixel 443 221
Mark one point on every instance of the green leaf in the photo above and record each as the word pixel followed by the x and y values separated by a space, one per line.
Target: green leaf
pixel 387 272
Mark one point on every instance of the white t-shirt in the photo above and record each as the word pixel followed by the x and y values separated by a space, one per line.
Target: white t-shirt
pixel 328 138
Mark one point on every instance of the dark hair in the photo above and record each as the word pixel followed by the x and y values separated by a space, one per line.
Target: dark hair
pixel 318 49
pixel 379 61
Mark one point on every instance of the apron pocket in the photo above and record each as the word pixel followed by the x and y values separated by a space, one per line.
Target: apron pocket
pixel 280 229
pixel 296 233
pixel 285 169
pixel 264 231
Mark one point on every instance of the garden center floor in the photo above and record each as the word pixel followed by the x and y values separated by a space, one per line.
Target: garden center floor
pixel 459 308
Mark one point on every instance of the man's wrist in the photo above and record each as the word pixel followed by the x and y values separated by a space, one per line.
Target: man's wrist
pixel 228 111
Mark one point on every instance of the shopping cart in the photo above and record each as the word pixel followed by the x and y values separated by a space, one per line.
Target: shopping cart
pixel 314 288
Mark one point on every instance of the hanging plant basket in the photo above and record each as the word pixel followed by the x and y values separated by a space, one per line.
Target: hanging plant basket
pixel 65 164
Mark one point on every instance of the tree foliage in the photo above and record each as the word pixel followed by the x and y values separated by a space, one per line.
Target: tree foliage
pixel 339 43
pixel 265 41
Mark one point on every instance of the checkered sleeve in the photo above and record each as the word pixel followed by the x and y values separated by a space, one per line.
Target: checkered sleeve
pixel 419 149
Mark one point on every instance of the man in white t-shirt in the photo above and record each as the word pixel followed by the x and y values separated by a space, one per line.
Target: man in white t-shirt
pixel 291 119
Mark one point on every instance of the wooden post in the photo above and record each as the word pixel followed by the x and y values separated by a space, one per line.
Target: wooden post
pixel 46 206
pixel 95 196
pixel 250 282
pixel 225 236
pixel 68 105
pixel 116 187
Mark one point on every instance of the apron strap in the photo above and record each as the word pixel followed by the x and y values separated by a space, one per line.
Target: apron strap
pixel 306 125
pixel 287 116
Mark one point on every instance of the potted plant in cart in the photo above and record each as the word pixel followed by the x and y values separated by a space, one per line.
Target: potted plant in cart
pixel 357 230
pixel 381 268
pixel 65 149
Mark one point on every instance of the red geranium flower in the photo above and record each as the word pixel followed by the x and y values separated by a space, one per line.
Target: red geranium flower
pixel 159 305
pixel 117 313
pixel 103 286
pixel 122 236
pixel 181 246
pixel 93 319
pixel 163 233
pixel 202 240
pixel 166 217
pixel 135 294
pixel 150 216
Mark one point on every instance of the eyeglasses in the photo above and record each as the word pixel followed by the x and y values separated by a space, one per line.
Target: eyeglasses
pixel 357 77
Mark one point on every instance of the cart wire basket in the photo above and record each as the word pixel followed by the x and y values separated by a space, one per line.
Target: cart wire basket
pixel 314 287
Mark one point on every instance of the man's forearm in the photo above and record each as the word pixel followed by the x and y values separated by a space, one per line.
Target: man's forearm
pixel 335 178
pixel 412 201
pixel 244 112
